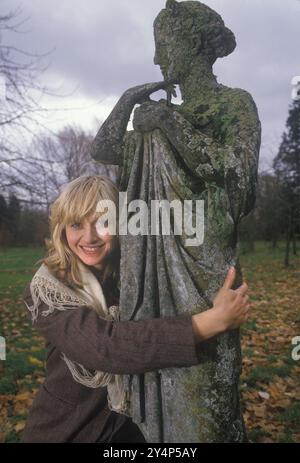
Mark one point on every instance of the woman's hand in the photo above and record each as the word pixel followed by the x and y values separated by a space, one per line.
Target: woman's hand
pixel 231 306
pixel 230 309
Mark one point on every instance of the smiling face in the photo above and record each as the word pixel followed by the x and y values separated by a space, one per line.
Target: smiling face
pixel 91 248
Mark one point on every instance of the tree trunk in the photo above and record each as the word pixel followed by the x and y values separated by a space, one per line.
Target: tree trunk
pixel 294 239
pixel 288 240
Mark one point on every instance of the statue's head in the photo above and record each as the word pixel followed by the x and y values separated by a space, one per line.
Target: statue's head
pixel 183 32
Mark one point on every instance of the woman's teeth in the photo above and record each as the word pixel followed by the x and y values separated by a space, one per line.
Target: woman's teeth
pixel 91 249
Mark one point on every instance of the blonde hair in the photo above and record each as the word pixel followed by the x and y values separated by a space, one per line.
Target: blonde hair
pixel 77 201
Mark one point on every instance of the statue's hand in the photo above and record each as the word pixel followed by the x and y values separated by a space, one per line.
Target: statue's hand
pixel 150 115
pixel 141 93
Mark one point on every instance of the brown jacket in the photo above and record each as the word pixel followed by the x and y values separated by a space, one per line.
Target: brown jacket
pixel 66 411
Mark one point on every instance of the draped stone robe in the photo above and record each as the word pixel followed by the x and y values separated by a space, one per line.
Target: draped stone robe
pixel 161 276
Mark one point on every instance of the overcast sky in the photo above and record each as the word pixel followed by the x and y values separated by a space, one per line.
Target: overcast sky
pixel 102 47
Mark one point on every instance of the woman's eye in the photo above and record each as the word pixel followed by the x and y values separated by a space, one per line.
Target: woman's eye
pixel 76 225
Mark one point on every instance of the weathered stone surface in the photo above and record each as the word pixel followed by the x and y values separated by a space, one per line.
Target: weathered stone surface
pixel 208 149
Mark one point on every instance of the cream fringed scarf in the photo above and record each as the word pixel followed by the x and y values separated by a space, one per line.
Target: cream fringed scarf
pixel 57 296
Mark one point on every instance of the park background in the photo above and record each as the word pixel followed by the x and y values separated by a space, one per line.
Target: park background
pixel 63 66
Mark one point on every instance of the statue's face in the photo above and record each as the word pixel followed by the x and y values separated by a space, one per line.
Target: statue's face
pixel 161 58
pixel 181 37
pixel 173 54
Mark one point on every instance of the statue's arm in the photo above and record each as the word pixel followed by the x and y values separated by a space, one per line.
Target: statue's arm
pixel 232 165
pixel 241 158
pixel 200 152
pixel 197 150
pixel 108 144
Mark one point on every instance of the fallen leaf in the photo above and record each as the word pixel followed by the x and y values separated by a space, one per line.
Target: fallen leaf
pixel 23 397
pixel 265 440
pixel 35 361
pixel 264 395
pixel 19 426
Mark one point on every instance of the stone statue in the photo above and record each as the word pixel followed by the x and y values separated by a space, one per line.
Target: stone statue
pixel 206 148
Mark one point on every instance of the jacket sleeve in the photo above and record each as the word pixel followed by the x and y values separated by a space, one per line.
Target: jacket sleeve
pixel 122 347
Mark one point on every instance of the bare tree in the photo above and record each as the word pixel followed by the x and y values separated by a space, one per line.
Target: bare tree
pixel 52 161
pixel 20 96
pixel 34 166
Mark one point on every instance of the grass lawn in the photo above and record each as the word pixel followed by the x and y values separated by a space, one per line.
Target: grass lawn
pixel 23 370
pixel 270 384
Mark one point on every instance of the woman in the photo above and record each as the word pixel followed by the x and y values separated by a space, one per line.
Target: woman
pixel 73 300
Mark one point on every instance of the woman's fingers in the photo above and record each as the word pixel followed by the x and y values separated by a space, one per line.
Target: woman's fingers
pixel 245 314
pixel 242 289
pixel 246 299
pixel 230 277
pixel 243 303
pixel 247 311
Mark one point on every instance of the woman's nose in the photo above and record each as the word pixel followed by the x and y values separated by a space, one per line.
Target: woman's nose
pixel 90 234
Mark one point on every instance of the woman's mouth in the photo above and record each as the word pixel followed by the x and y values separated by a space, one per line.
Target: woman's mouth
pixel 91 250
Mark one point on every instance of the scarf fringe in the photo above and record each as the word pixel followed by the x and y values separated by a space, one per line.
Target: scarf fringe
pixel 85 377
